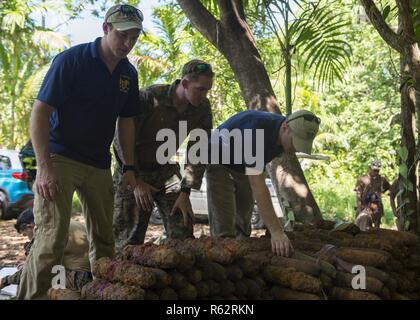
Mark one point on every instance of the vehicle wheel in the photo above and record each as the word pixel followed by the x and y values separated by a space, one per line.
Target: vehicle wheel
pixel 3 206
pixel 155 217
pixel 256 220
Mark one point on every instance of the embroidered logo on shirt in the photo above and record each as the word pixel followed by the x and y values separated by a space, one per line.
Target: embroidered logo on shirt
pixel 124 83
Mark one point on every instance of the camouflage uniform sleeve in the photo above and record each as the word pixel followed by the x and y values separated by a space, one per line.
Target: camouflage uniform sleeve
pixel 193 174
pixel 147 101
pixel 14 278
pixel 117 151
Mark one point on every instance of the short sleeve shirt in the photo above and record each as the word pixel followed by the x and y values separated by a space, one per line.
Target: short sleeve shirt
pixel 87 99
pixel 249 138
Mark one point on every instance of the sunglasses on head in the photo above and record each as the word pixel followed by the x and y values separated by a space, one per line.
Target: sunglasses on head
pixel 128 11
pixel 307 117
pixel 200 68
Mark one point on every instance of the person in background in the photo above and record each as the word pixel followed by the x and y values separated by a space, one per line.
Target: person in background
pixel 76 253
pixel 368 217
pixel 372 182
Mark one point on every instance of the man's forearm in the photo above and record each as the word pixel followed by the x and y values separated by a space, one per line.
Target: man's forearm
pixel 264 203
pixel 39 131
pixel 126 133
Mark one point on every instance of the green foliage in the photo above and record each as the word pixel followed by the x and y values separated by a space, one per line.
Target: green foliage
pixel 359 124
pixel 310 36
pixel 24 48
pixel 320 39
pixel 337 200
pixel 76 205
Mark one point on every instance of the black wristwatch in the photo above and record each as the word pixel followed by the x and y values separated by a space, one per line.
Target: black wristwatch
pixel 186 190
pixel 127 167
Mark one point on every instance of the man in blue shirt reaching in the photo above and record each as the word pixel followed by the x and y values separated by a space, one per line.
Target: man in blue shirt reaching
pixel 240 149
pixel 88 91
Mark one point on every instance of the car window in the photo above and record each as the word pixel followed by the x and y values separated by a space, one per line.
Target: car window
pixel 5 163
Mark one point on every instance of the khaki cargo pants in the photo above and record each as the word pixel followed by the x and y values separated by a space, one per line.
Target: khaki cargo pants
pixel 230 202
pixel 95 190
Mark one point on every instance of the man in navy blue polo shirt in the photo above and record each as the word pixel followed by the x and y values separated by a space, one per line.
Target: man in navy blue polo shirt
pixel 240 149
pixel 88 89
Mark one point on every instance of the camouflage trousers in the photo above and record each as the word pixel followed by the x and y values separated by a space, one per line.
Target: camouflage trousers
pixel 75 280
pixel 131 222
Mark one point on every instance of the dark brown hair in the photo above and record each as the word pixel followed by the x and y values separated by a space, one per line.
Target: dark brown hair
pixel 189 73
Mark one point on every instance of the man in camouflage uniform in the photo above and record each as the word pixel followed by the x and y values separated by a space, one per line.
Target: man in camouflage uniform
pixel 164 107
pixel 372 182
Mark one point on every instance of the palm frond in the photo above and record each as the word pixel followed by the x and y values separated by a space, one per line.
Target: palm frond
pixel 319 36
pixel 147 62
pixel 50 39
pixel 33 84
pixel 12 19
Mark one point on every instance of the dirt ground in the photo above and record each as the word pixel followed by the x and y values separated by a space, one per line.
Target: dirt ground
pixel 11 243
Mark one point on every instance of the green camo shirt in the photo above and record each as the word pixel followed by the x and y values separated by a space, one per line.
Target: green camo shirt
pixel 159 113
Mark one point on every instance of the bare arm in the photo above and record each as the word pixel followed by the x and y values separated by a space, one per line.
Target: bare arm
pixel 46 182
pixel 279 241
pixel 39 130
pixel 143 192
pixel 126 138
pixel 126 133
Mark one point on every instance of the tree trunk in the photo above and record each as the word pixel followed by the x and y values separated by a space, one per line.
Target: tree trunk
pixel 407 45
pixel 413 98
pixel 232 36
pixel 294 191
pixel 408 141
pixel 410 105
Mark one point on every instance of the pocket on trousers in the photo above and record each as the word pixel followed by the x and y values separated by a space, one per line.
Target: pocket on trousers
pixel 46 214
